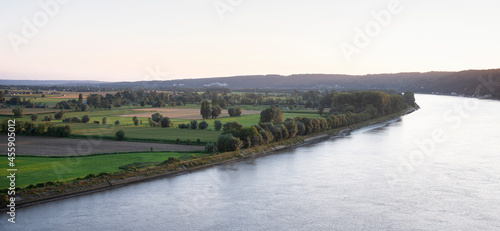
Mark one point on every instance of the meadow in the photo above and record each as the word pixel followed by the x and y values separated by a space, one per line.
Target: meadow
pixel 143 132
pixel 34 169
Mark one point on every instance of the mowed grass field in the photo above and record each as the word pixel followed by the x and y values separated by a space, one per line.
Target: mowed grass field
pixel 144 133
pixel 33 170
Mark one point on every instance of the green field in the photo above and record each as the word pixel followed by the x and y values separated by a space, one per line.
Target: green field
pixel 33 170
pixel 145 133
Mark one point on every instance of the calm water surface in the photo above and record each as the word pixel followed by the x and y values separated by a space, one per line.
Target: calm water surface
pixel 435 169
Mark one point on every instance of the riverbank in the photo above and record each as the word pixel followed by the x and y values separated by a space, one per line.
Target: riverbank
pixel 107 182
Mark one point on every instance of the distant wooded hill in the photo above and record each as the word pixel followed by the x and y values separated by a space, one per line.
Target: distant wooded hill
pixel 484 82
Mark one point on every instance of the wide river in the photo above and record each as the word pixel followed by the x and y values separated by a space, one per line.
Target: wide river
pixel 435 169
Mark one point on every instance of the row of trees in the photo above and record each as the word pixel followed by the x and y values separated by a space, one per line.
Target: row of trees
pixel 272 128
pixel 158 120
pixel 216 110
pixel 42 129
pixel 194 125
pixel 358 101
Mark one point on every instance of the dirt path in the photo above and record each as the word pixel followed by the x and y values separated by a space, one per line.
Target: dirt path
pixel 48 146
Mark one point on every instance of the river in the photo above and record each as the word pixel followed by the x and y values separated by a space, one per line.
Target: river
pixel 435 169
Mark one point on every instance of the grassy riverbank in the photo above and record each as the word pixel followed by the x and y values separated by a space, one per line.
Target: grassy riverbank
pixel 38 169
pixel 119 178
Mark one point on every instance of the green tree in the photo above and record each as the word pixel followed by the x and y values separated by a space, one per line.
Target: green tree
pixel 234 111
pixel 80 98
pixel 136 121
pixel 104 120
pixel 203 125
pixel 159 103
pixel 194 124
pixel 85 119
pixel 216 111
pixel 34 117
pixel 222 103
pixel 232 128
pixel 156 117
pixel 18 112
pixel 217 125
pixel 59 115
pixel 228 143
pixel 409 98
pixel 271 114
pixel 205 110
pixel 165 122
pixel 291 126
pixel 94 100
pixel 2 97
pixel 120 135
pixel 84 107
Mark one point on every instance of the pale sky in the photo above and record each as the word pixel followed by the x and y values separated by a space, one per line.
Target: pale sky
pixel 125 40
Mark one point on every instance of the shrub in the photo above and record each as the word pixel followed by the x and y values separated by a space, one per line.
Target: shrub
pixel 59 115
pixel 34 117
pixel 84 107
pixel 183 126
pixel 85 119
pixel 210 148
pixel 158 103
pixel 90 176
pixel 104 120
pixel 136 121
pixel 18 112
pixel 216 111
pixel 291 126
pixel 194 124
pixel 117 122
pixel 156 117
pixel 234 111
pixel 217 125
pixel 67 120
pixel 47 118
pixel 76 120
pixel 120 135
pixel 188 142
pixel 170 160
pixel 232 127
pixel 177 141
pixel 271 114
pixel 203 125
pixel 228 143
pixel 165 122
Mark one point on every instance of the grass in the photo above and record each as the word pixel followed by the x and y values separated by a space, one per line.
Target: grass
pixel 144 133
pixel 33 169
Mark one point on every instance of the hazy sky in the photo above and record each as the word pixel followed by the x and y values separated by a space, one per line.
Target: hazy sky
pixel 113 40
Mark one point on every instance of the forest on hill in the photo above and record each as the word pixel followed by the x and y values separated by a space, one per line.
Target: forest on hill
pixel 470 82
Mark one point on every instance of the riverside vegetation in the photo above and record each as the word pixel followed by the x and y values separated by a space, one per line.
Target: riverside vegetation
pixel 283 120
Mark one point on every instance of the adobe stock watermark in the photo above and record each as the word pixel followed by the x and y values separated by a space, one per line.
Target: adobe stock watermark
pixel 31 27
pixel 363 36
pixel 452 118
pixel 219 180
pixel 154 74
pixel 223 7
